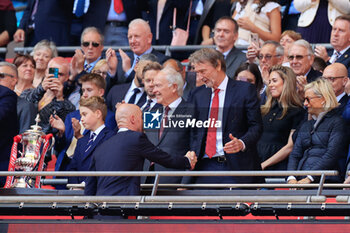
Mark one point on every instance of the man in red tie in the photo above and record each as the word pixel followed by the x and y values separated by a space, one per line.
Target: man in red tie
pixel 172 137
pixel 230 143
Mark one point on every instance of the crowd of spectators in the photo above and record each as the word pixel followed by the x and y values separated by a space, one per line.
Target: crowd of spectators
pixel 279 105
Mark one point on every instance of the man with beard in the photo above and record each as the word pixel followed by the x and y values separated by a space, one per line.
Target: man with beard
pixel 148 73
pixel 134 92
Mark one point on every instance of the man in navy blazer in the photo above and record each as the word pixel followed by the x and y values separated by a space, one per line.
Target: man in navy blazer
pixel 52 20
pixel 228 144
pixel 8 114
pixel 126 151
pixel 81 159
pixel 340 42
pixel 140 42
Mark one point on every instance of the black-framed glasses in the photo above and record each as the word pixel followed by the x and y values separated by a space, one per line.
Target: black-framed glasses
pixel 267 56
pixel 308 99
pixel 3 75
pixel 298 57
pixel 87 44
pixel 332 79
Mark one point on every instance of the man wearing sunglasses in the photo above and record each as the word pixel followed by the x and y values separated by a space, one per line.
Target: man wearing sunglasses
pixel 8 114
pixel 301 57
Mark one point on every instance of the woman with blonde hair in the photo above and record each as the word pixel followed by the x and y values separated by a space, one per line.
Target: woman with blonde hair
pixel 282 113
pixel 321 141
pixel 42 53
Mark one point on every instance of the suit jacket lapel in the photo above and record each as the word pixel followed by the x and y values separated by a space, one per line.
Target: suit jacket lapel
pixel 227 103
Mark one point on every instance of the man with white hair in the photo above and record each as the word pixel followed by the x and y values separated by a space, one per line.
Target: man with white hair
pixel 301 57
pixel 175 140
pixel 140 42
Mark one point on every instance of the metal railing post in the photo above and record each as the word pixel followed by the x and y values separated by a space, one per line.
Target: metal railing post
pixel 155 185
pixel 320 187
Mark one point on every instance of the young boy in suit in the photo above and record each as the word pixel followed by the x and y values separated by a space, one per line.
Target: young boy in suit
pixel 92 85
pixel 93 113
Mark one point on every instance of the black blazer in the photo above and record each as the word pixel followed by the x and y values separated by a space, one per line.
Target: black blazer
pixel 174 140
pixel 313 75
pixel 81 160
pixel 126 151
pixel 8 126
pixel 241 118
pixel 233 60
pixel 120 75
pixel 117 94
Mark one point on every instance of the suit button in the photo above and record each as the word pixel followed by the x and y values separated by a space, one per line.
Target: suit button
pixel 274 114
pixel 270 119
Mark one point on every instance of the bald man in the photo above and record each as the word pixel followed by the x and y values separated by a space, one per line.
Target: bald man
pixel 337 75
pixel 126 151
pixel 140 42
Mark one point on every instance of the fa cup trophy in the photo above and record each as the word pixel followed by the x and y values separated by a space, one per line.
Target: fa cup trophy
pixel 35 144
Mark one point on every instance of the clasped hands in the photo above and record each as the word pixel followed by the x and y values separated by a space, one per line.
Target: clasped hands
pixel 191 155
pixel 306 180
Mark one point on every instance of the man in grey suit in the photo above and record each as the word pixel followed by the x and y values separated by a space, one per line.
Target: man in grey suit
pixel 171 138
pixel 225 36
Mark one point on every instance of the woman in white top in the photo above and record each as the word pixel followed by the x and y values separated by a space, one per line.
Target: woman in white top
pixel 257 17
pixel 317 18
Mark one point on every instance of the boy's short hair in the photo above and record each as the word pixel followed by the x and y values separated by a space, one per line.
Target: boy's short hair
pixel 95 103
pixel 97 79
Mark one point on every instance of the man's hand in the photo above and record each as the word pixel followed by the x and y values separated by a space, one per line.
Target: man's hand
pixel 191 155
pixel 112 61
pixel 209 41
pixel 321 51
pixel 126 62
pixel 292 181
pixel 301 82
pixel 19 35
pixel 233 146
pixel 57 123
pixel 76 127
pixel 77 62
pixel 252 53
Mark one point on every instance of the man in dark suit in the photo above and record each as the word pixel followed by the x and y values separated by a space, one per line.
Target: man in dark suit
pixel 337 75
pixel 134 92
pixel 149 71
pixel 340 41
pixel 162 31
pixel 175 140
pixel 126 151
pixel 189 81
pixel 301 58
pixel 8 114
pixel 140 41
pixel 229 143
pixel 225 36
pixel 46 19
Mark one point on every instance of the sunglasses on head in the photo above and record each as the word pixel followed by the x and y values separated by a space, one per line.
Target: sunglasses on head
pixel 87 44
pixel 3 75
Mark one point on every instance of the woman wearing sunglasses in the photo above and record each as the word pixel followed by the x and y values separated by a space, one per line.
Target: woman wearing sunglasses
pixel 320 142
pixel 282 114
